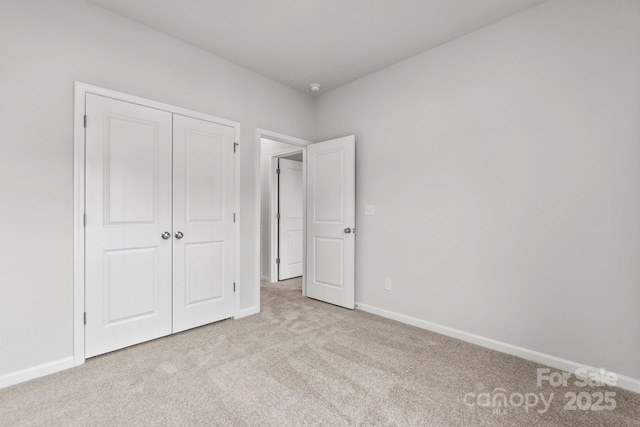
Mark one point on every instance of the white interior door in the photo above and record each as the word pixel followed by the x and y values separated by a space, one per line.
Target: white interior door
pixel 331 221
pixel 128 207
pixel 290 222
pixel 203 216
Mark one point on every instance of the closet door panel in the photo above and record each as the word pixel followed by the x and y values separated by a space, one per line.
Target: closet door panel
pixel 203 209
pixel 128 205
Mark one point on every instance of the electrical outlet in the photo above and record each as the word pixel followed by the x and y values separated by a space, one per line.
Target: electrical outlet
pixel 369 209
pixel 387 284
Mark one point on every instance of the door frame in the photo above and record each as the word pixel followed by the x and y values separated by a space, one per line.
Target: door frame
pixel 300 144
pixel 274 197
pixel 80 91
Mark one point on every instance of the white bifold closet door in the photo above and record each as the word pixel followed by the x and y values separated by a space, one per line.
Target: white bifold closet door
pixel 159 223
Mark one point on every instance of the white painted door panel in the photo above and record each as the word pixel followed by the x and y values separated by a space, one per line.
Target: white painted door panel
pixel 330 275
pixel 128 206
pixel 290 224
pixel 203 207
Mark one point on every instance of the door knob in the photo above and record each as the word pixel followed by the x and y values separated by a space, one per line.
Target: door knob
pixel 179 235
pixel 347 230
pixel 166 235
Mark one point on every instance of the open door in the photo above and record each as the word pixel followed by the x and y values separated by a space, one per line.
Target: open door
pixel 290 218
pixel 330 272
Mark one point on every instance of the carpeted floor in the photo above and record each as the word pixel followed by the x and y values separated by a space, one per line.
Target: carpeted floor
pixel 304 362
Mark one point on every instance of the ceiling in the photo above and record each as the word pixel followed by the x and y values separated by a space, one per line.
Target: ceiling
pixel 331 42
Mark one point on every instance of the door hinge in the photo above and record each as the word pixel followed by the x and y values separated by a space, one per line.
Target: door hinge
pixel 84 317
pixel 278 215
pixel 85 121
pixel 234 217
pixel 234 286
pixel 278 261
pixel 235 145
pixel 278 171
pixel 84 219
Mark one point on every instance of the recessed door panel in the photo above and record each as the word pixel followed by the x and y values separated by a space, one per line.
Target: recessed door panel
pixel 204 272
pixel 331 221
pixel 128 206
pixel 132 157
pixel 329 186
pixel 204 180
pixel 203 200
pixel 131 284
pixel 329 262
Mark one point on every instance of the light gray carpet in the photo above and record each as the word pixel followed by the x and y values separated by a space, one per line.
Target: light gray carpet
pixel 299 362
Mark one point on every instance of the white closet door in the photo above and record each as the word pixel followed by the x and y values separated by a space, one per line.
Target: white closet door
pixel 331 221
pixel 203 209
pixel 290 223
pixel 128 206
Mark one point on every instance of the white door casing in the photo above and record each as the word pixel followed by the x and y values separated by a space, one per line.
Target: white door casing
pixel 203 214
pixel 290 205
pixel 330 272
pixel 128 207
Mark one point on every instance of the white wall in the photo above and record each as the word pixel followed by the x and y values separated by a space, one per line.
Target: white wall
pixel 268 147
pixel 504 167
pixel 505 170
pixel 44 47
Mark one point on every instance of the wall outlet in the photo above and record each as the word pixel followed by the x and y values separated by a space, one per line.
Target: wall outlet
pixel 369 209
pixel 387 284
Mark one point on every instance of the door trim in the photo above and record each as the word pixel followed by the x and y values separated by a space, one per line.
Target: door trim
pixel 80 91
pixel 263 133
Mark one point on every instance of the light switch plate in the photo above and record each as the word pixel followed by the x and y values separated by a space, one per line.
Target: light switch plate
pixel 369 209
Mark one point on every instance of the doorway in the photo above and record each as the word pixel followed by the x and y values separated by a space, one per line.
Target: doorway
pixel 281 209
pixel 328 226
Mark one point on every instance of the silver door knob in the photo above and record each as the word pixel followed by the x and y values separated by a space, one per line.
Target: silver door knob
pixel 166 235
pixel 347 230
pixel 179 235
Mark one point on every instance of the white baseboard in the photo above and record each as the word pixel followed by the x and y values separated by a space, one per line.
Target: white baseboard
pixel 36 372
pixel 265 279
pixel 625 382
